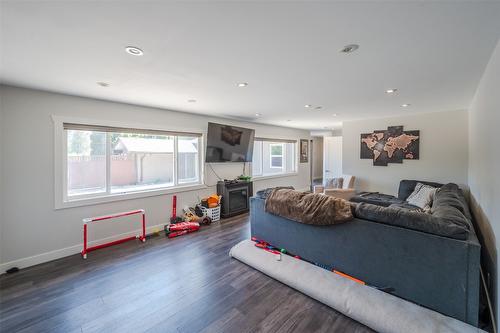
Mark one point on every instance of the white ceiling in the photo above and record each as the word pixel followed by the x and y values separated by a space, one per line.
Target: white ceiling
pixel 433 52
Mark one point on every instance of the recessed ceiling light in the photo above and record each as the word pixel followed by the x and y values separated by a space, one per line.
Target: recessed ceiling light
pixel 318 107
pixel 135 51
pixel 191 101
pixel 307 105
pixel 242 84
pixel 103 84
pixel 335 115
pixel 349 48
pixel 391 91
pixel 405 105
pixel 258 115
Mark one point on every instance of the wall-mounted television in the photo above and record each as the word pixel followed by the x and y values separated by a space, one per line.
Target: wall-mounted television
pixel 229 143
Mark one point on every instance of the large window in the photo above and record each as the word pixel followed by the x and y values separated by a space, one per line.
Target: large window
pixel 104 161
pixel 273 157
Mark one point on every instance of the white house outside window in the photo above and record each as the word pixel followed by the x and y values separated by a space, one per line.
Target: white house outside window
pixel 276 155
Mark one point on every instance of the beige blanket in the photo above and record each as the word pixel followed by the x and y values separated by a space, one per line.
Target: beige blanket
pixel 308 208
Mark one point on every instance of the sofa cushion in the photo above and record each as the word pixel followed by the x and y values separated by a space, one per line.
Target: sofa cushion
pixel 452 215
pixel 451 195
pixel 406 187
pixel 406 206
pixel 412 220
pixel 376 198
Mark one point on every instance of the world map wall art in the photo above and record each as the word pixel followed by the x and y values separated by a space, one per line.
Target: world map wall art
pixel 390 146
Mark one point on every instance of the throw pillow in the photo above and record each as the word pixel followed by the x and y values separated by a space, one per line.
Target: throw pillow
pixel 422 196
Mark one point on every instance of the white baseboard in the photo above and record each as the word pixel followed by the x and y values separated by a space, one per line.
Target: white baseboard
pixel 61 253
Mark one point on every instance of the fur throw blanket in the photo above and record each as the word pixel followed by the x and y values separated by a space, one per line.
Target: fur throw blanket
pixel 308 208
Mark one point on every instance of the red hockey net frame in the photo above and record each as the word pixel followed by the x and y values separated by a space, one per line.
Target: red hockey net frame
pixel 86 249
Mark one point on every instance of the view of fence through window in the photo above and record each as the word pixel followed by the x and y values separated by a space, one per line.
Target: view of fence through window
pixel 271 158
pixel 112 162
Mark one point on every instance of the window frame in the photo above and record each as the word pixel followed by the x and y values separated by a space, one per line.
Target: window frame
pixel 61 198
pixel 280 141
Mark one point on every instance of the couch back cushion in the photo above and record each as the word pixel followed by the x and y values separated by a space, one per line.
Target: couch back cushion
pixel 451 214
pixel 433 224
pixel 450 195
pixel 406 187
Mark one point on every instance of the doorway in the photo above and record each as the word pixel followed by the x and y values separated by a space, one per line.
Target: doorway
pixel 317 160
pixel 332 157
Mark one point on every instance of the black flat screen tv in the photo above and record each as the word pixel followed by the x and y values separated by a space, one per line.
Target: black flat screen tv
pixel 229 143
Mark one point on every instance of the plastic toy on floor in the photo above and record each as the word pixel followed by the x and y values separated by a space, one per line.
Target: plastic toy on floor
pixel 211 201
pixel 174 218
pixel 267 247
pixel 181 228
pixel 191 216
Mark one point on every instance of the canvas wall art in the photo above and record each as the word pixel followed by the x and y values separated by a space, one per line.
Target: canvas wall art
pixel 390 146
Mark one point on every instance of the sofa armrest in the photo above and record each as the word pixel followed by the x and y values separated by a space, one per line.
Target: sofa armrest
pixel 319 188
pixel 340 193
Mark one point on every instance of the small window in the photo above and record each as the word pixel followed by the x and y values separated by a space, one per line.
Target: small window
pixel 103 161
pixel 273 158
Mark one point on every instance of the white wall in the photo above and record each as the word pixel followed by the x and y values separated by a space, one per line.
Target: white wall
pixel 443 151
pixel 32 231
pixel 484 167
pixel 2 139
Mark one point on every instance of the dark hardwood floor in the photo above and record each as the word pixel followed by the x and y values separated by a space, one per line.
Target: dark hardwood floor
pixel 185 284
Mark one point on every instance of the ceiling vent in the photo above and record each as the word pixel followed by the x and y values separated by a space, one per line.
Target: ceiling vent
pixel 350 48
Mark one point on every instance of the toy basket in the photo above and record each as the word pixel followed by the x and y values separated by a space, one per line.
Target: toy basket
pixel 213 213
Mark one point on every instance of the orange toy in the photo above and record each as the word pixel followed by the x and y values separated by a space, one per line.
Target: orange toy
pixel 349 277
pixel 213 201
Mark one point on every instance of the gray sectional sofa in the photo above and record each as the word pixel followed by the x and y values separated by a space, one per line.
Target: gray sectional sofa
pixel 429 259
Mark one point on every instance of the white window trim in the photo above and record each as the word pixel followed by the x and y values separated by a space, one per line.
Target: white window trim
pixel 282 155
pixel 61 200
pixel 276 175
